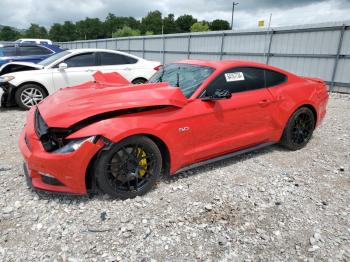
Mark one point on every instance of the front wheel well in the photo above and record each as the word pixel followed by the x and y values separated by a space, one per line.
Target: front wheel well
pixel 33 83
pixel 90 180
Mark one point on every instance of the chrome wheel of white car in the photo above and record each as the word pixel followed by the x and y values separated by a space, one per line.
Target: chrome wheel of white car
pixel 29 95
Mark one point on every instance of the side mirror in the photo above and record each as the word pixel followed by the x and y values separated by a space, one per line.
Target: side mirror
pixel 219 94
pixel 62 66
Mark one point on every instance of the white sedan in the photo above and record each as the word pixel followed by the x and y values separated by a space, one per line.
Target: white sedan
pixel 26 84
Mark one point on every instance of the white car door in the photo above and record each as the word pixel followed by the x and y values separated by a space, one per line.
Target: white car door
pixel 113 62
pixel 80 69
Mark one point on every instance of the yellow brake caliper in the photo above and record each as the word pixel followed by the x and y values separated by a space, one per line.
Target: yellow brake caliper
pixel 142 162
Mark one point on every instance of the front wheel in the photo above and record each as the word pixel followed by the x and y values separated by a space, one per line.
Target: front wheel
pixel 130 168
pixel 29 95
pixel 299 129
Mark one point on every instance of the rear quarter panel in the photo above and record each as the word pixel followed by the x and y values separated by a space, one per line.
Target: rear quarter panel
pixel 295 93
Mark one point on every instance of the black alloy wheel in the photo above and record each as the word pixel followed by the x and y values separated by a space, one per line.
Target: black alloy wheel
pixel 299 129
pixel 130 168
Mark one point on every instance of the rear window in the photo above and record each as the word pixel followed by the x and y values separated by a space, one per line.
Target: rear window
pixel 34 50
pixel 8 51
pixel 115 59
pixel 274 78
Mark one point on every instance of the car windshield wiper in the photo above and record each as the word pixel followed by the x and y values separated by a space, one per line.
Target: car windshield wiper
pixel 178 77
pixel 161 76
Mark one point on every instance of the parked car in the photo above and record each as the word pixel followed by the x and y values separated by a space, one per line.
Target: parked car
pixel 34 41
pixel 119 139
pixel 33 53
pixel 26 84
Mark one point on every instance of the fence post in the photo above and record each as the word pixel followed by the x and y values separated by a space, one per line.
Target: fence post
pixel 116 44
pixel 128 44
pixel 340 43
pixel 163 54
pixel 143 47
pixel 189 46
pixel 268 54
pixel 222 45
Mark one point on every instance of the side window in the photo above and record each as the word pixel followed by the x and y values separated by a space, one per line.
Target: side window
pixel 87 59
pixel 274 78
pixel 115 59
pixel 238 79
pixel 33 50
pixel 8 51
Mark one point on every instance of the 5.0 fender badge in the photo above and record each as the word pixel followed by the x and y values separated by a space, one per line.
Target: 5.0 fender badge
pixel 184 129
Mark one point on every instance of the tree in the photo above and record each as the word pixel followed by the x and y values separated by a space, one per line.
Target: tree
pixel 200 27
pixel 90 28
pixel 126 31
pixel 55 32
pixel 9 34
pixel 169 24
pixel 184 23
pixel 36 31
pixel 152 22
pixel 219 24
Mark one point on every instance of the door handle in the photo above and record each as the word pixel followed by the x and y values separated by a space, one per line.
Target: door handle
pixel 89 70
pixel 264 102
pixel 127 68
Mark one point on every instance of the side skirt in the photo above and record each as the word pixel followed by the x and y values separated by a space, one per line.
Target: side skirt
pixel 223 157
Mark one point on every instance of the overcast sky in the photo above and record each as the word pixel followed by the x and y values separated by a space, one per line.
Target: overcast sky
pixel 20 13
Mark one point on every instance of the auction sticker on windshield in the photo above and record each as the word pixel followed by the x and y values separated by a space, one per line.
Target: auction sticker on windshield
pixel 237 76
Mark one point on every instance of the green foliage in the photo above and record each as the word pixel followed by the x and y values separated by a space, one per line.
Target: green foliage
pixel 200 27
pixel 219 24
pixel 126 31
pixel 169 24
pixel 184 23
pixel 90 28
pixel 116 26
pixel 36 31
pixel 152 22
pixel 113 23
pixel 9 34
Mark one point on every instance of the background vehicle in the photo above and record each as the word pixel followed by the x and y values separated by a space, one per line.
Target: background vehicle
pixel 26 87
pixel 120 138
pixel 34 41
pixel 26 52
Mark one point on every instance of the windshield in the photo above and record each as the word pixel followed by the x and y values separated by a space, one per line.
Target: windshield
pixel 187 77
pixel 53 58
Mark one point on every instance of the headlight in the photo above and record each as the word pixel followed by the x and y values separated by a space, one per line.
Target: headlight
pixel 74 145
pixel 4 79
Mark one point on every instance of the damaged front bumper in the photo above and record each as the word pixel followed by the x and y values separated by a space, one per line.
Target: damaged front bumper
pixel 55 172
pixel 8 95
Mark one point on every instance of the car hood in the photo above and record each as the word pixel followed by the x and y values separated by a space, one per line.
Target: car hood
pixel 13 67
pixel 71 105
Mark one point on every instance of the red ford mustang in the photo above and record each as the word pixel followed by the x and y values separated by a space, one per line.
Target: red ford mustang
pixel 108 135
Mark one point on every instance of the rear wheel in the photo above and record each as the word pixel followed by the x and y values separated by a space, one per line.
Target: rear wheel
pixel 139 81
pixel 29 95
pixel 130 168
pixel 299 129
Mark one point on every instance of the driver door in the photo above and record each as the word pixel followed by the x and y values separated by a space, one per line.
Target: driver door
pixel 80 69
pixel 221 126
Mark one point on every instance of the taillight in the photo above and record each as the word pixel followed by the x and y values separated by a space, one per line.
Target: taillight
pixel 157 68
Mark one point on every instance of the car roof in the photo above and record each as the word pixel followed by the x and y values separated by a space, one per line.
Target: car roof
pixel 82 50
pixel 227 64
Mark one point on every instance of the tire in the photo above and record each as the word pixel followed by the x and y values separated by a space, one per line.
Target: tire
pixel 29 95
pixel 129 168
pixel 139 81
pixel 299 129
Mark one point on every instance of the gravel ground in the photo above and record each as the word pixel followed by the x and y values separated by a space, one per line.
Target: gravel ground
pixel 271 205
